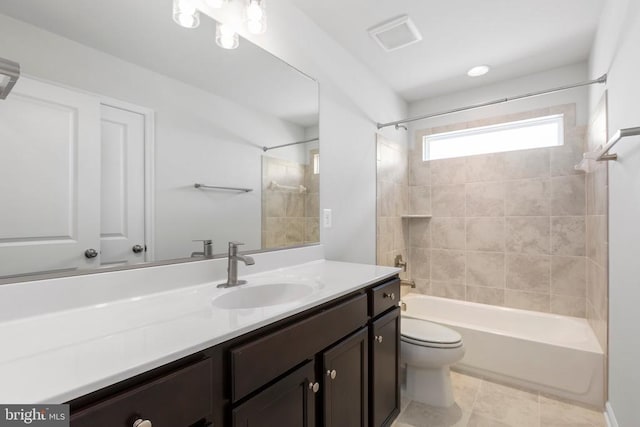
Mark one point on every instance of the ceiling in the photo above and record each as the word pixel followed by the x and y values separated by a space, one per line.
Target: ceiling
pixel 514 37
pixel 147 36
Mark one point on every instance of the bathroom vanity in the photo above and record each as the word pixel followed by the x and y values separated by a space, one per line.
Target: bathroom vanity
pixel 336 364
pixel 329 357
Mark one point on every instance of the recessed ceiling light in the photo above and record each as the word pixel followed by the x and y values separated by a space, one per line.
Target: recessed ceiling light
pixel 478 71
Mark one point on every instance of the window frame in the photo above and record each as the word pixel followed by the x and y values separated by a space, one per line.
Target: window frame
pixel 494 128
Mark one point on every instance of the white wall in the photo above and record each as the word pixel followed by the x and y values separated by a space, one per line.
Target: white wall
pixel 352 100
pixel 519 86
pixel 200 137
pixel 617 51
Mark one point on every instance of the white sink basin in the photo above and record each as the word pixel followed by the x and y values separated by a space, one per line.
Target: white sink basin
pixel 263 295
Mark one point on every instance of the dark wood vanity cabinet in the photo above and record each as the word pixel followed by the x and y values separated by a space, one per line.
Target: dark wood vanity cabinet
pixel 291 401
pixel 334 365
pixel 260 360
pixel 345 383
pixel 180 398
pixel 385 368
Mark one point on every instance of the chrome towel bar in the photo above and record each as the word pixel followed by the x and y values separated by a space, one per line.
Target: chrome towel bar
pixel 273 185
pixel 217 187
pixel 603 154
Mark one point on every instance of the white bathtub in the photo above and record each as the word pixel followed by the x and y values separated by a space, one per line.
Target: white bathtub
pixel 559 355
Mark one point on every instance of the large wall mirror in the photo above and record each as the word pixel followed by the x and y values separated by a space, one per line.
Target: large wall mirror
pixel 116 117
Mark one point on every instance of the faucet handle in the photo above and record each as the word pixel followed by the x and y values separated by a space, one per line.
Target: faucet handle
pixel 233 248
pixel 204 241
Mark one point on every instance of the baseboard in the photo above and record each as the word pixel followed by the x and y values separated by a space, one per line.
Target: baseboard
pixel 609 416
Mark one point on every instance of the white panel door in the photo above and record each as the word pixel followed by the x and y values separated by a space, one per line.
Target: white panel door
pixel 122 199
pixel 49 179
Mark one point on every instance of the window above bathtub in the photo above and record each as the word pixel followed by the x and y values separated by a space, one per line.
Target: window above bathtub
pixel 539 132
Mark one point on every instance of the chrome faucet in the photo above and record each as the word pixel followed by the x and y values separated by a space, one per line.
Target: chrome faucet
pixel 399 262
pixel 207 249
pixel 232 267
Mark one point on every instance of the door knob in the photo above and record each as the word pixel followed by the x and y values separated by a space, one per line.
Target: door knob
pixel 391 295
pixel 137 249
pixel 142 423
pixel 314 387
pixel 332 374
pixel 378 338
pixel 90 253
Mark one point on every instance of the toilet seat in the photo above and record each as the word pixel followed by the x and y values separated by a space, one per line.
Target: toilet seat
pixel 428 334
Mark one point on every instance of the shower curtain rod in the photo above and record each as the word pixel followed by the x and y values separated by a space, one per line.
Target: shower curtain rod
pixel 397 123
pixel 265 149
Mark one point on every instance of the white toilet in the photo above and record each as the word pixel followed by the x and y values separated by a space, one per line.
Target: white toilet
pixel 428 349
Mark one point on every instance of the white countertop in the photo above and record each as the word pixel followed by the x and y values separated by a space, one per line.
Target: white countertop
pixel 61 355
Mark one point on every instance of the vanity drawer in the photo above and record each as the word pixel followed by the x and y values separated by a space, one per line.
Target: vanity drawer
pixel 384 297
pixel 178 399
pixel 259 362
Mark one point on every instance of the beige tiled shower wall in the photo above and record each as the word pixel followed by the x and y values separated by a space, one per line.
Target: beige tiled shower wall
pixel 290 217
pixel 392 199
pixel 597 231
pixel 507 229
pixel 311 202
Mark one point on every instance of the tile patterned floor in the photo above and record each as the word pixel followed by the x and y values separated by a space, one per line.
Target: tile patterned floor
pixel 481 403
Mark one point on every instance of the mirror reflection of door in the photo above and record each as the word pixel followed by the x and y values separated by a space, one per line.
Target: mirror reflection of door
pixel 49 188
pixel 122 187
pixel 71 181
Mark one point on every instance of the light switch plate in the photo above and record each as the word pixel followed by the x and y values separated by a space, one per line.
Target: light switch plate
pixel 326 218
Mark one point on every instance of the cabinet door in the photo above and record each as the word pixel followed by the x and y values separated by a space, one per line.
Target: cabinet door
pixel 385 368
pixel 289 402
pixel 346 392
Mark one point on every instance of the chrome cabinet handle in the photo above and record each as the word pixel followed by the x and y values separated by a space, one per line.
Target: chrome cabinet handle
pixel 142 423
pixel 315 387
pixel 391 295
pixel 332 374
pixel 378 338
pixel 90 253
pixel 137 249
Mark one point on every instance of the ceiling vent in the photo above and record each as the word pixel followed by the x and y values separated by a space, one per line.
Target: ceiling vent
pixel 396 33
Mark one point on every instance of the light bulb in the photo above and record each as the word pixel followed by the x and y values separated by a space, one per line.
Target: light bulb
pixel 226 37
pixel 185 14
pixel 187 21
pixel 256 16
pixel 254 11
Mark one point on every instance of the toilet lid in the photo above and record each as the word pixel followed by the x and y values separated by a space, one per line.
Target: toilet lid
pixel 418 330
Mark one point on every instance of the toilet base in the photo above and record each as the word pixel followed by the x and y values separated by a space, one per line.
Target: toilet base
pixel 430 386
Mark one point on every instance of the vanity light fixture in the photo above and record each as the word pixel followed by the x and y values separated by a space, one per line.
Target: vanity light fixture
pixel 226 37
pixel 9 74
pixel 256 16
pixel 185 14
pixel 478 71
